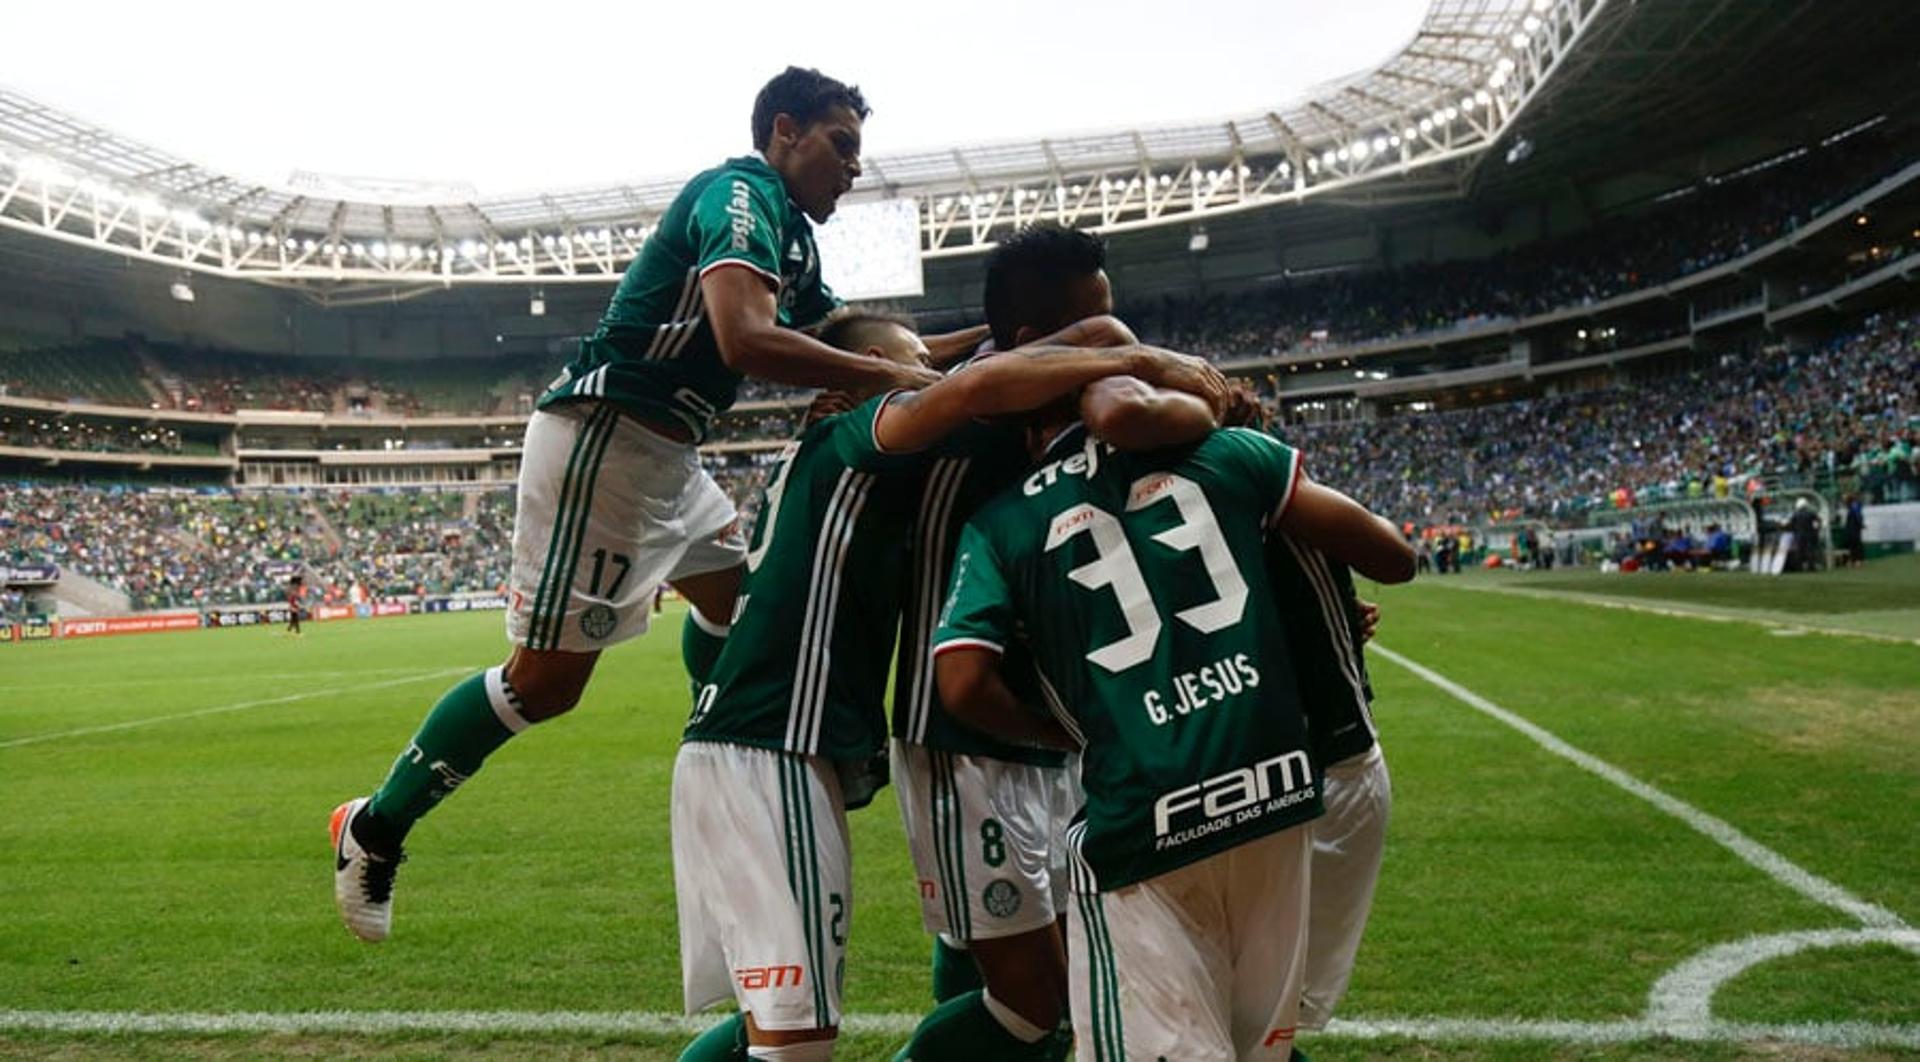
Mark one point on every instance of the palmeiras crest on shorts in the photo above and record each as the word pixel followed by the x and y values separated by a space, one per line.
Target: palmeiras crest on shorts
pixel 1001 898
pixel 597 621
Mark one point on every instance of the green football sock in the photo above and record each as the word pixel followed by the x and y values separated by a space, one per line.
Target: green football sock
pixel 954 972
pixel 963 1030
pixel 469 722
pixel 724 1042
pixel 701 640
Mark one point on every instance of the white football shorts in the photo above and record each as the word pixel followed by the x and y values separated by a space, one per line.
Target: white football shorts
pixel 763 878
pixel 987 838
pixel 608 510
pixel 1203 963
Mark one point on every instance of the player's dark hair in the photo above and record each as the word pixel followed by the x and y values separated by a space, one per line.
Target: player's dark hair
pixel 805 95
pixel 1029 274
pixel 856 330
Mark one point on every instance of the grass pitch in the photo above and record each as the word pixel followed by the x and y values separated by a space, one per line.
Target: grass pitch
pixel 164 850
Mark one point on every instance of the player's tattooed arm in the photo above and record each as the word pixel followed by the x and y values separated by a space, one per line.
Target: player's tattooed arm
pixel 973 691
pixel 1345 530
pixel 743 313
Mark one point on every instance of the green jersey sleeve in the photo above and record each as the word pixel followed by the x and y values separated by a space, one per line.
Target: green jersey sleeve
pixel 979 612
pixel 856 442
pixel 736 220
pixel 814 304
pixel 1265 465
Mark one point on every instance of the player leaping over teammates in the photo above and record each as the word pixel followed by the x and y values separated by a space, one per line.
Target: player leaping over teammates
pixel 1139 582
pixel 793 714
pixel 612 499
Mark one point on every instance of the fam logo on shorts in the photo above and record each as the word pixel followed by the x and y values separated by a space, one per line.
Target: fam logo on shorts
pixel 1001 897
pixel 597 621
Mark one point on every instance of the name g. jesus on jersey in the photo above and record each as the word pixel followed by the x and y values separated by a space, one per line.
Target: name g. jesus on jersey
pixel 1134 576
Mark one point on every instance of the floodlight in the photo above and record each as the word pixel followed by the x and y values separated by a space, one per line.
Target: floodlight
pixel 1519 40
pixel 181 290
pixel 537 306
pixel 1198 241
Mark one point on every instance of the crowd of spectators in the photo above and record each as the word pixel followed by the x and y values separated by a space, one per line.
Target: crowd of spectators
pixel 72 433
pixel 1841 416
pixel 1714 222
pixel 174 548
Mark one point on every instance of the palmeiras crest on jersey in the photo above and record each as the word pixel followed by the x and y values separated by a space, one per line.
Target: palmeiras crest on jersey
pixel 1001 898
pixel 597 621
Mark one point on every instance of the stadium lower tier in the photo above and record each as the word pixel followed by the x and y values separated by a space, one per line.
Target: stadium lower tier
pixel 1843 417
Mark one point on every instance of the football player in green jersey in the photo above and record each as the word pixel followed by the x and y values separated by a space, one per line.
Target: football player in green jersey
pixel 1127 577
pixel 1327 627
pixel 776 750
pixel 612 499
pixel 984 818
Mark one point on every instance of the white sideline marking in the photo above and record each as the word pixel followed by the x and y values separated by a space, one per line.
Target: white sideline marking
pixel 616 1023
pixel 1600 599
pixel 1683 998
pixel 223 708
pixel 232 676
pixel 1750 851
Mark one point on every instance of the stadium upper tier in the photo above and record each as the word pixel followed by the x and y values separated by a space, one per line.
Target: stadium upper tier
pixel 1445 97
pixel 1802 216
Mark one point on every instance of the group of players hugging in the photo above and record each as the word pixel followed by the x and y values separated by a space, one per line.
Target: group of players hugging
pixel 1129 734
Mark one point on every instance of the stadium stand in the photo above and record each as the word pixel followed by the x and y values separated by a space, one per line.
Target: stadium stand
pixel 1694 228
pixel 1843 417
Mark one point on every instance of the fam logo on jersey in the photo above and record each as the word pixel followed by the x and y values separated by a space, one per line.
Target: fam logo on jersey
pixel 1001 898
pixel 597 621
pixel 757 977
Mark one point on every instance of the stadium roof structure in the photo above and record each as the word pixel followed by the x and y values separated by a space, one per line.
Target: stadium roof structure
pixel 1421 118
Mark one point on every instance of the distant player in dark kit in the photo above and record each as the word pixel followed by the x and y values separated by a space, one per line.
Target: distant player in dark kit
pixel 296 588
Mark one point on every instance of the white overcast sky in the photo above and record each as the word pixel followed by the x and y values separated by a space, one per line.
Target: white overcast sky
pixel 516 96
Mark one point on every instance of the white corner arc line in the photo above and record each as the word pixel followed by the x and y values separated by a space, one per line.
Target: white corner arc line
pixel 1750 851
pixel 1681 1002
pixel 220 709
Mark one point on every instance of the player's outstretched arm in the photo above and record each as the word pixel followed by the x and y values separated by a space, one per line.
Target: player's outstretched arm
pixel 1132 414
pixel 1023 380
pixel 973 691
pixel 742 310
pixel 948 349
pixel 1345 530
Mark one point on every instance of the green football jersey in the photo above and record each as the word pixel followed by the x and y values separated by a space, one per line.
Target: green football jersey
pixel 1323 640
pixel 1142 583
pixel 804 668
pixel 968 469
pixel 654 353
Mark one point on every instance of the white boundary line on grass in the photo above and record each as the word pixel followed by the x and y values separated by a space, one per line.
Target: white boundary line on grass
pixel 656 1023
pixel 1680 1004
pixel 221 709
pixel 1752 852
pixel 1598 599
pixel 232 676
